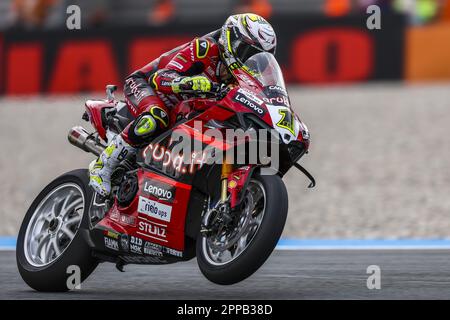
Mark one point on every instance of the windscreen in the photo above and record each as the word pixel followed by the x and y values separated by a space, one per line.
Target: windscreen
pixel 264 67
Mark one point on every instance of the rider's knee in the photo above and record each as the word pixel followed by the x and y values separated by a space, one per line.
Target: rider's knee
pixel 146 126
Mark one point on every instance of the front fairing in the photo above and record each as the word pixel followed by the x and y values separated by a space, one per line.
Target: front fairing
pixel 262 87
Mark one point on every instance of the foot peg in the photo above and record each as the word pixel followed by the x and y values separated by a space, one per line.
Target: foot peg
pixel 119 265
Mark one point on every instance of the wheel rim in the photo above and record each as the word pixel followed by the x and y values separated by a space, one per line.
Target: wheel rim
pixel 250 221
pixel 54 224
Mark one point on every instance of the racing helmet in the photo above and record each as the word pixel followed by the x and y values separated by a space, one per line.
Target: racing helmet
pixel 244 35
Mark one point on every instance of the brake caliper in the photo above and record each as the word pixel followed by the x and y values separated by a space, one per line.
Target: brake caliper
pixel 236 182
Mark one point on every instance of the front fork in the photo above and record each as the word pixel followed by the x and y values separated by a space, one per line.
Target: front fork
pixel 233 183
pixel 226 171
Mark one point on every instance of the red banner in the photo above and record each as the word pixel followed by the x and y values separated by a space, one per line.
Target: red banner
pixel 310 52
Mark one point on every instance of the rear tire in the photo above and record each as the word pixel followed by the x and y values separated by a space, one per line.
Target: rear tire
pixel 52 275
pixel 261 245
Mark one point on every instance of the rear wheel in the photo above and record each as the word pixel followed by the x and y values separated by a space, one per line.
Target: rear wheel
pixel 49 240
pixel 229 255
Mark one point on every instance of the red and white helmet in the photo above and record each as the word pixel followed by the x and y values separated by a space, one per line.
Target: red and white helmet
pixel 244 35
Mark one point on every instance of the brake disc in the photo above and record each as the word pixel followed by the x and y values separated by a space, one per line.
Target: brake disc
pixel 231 239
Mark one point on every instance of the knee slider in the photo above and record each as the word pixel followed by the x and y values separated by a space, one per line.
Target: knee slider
pixel 145 125
pixel 142 128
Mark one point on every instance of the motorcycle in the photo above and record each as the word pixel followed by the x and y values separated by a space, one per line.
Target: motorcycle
pixel 161 210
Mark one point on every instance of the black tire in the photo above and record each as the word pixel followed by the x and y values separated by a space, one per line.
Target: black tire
pixel 53 277
pixel 263 243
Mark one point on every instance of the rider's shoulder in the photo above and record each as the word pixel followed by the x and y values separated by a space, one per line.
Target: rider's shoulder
pixel 205 46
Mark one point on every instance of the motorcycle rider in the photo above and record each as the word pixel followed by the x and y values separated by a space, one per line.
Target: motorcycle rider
pixel 153 90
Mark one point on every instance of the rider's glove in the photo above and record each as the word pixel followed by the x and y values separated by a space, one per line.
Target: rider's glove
pixel 195 83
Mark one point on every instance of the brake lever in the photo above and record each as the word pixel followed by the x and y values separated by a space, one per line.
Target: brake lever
pixel 223 91
pixel 218 91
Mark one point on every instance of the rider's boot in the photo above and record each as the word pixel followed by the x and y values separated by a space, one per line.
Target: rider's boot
pixel 100 170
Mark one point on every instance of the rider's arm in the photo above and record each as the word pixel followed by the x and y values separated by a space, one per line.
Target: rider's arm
pixel 138 93
pixel 184 68
pixel 192 59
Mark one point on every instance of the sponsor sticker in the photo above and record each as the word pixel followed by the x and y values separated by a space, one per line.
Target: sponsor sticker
pixel 276 95
pixel 246 79
pixel 136 240
pixel 158 250
pixel 250 95
pixel 174 252
pixel 114 214
pixel 152 230
pixel 175 64
pixel 134 89
pixel 278 101
pixel 128 220
pixel 191 51
pixel 124 242
pixel 124 219
pixel 111 244
pixel 180 57
pixel 246 102
pixel 153 249
pixel 111 234
pixel 210 72
pixel 158 189
pixel 136 245
pixel 279 89
pixel 165 83
pixel 154 209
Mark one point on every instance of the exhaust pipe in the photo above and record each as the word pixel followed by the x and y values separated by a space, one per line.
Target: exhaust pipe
pixel 79 137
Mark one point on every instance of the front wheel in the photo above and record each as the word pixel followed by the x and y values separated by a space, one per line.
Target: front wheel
pixel 229 255
pixel 50 247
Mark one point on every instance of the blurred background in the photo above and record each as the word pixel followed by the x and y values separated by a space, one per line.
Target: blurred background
pixel 377 102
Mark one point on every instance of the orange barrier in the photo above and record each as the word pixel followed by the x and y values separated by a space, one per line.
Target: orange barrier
pixel 428 53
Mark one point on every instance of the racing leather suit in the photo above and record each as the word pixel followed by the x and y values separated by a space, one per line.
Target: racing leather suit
pixel 151 92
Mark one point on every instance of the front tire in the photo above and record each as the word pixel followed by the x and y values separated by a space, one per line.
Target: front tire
pixel 227 268
pixel 49 240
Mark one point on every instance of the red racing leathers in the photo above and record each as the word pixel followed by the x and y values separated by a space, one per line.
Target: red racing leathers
pixel 149 90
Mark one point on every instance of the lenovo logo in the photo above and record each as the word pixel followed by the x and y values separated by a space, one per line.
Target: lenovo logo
pixel 159 190
pixel 249 104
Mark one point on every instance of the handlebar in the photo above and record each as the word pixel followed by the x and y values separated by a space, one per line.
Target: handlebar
pixel 218 91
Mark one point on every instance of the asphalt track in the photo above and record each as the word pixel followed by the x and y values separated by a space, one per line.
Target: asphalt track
pixel 312 274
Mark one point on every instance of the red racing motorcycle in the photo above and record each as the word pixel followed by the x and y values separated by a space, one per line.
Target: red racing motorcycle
pixel 229 214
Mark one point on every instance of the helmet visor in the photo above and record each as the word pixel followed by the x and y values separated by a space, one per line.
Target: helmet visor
pixel 243 50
